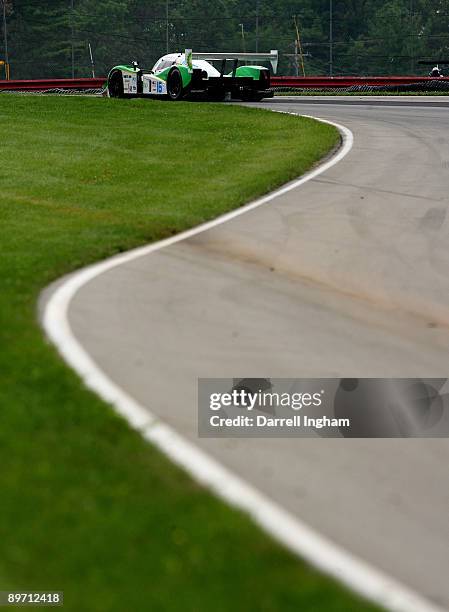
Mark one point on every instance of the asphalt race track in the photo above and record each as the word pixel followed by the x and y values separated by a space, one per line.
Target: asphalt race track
pixel 347 275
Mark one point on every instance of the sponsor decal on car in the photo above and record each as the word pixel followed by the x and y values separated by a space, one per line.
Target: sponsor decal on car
pixel 129 83
pixel 158 87
pixel 153 86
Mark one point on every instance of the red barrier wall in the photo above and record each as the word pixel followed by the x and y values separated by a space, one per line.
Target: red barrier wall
pixel 43 84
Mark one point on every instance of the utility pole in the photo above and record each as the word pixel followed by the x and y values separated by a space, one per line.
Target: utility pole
pixel 72 35
pixel 412 35
pixel 257 25
pixel 5 36
pixel 298 47
pixel 331 38
pixel 166 27
pixel 243 36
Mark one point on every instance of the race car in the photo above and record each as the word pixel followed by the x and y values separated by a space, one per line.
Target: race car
pixel 178 76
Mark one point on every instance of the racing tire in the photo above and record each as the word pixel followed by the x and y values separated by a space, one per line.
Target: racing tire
pixel 115 85
pixel 175 89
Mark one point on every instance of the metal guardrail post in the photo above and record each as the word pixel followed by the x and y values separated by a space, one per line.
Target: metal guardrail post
pixel 5 39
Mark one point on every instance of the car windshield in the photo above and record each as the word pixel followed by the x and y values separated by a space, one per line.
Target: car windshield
pixel 164 64
pixel 167 62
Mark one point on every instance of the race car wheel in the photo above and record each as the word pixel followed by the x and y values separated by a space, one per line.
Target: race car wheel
pixel 174 84
pixel 115 85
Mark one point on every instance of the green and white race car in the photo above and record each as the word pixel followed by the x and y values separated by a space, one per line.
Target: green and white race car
pixel 178 76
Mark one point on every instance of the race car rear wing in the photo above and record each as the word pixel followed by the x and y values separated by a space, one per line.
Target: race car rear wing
pixel 272 57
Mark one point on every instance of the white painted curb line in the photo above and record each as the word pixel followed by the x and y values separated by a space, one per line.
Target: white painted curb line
pixel 284 527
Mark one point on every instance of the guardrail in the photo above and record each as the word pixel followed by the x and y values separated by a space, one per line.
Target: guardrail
pixel 335 82
pixel 45 84
pixel 283 81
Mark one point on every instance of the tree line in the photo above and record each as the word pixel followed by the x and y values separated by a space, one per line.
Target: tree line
pixel 51 38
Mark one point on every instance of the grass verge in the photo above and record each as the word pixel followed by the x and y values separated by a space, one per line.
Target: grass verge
pixel 87 506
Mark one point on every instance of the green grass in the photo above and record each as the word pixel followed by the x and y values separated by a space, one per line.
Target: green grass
pixel 86 505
